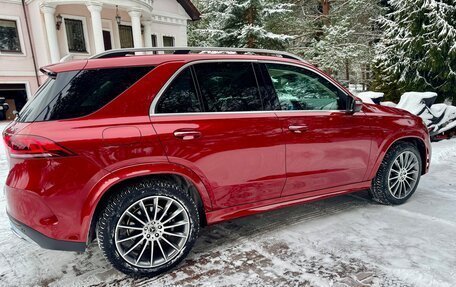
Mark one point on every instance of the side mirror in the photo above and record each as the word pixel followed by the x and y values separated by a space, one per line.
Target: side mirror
pixel 355 106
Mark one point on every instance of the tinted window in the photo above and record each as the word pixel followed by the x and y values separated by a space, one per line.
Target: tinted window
pixel 180 96
pixel 73 94
pixel 268 94
pixel 44 96
pixel 301 89
pixel 227 87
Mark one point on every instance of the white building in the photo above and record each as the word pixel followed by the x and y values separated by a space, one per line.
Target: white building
pixel 35 33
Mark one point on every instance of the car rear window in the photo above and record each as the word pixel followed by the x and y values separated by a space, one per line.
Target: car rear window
pixel 77 94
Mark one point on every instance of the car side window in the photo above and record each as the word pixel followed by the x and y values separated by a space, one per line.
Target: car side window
pixel 300 89
pixel 228 86
pixel 268 94
pixel 180 96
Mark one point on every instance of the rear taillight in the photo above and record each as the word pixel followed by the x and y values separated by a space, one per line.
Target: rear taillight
pixel 29 146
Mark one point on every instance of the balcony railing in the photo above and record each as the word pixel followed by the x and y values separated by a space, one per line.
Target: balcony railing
pixel 59 2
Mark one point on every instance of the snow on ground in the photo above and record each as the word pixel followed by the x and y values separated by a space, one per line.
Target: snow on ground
pixel 342 241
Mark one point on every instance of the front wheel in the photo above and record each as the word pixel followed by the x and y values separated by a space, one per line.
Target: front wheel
pixel 148 228
pixel 398 175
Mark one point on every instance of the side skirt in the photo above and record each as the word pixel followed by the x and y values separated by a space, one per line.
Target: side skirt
pixel 276 203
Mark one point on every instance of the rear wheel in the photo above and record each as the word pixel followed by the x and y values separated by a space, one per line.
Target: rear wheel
pixel 398 175
pixel 148 228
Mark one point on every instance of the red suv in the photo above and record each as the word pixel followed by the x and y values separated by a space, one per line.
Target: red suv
pixel 140 151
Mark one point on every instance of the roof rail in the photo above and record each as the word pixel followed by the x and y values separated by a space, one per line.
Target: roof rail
pixel 188 50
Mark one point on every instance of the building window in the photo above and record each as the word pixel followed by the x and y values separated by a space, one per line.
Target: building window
pixel 154 41
pixel 9 36
pixel 126 36
pixel 168 42
pixel 75 36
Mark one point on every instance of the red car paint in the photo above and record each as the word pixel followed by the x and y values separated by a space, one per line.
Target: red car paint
pixel 240 163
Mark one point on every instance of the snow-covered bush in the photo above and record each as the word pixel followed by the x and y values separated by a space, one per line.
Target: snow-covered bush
pixel 374 98
pixel 418 103
pixel 439 118
pixel 370 97
pixel 445 118
pixel 388 104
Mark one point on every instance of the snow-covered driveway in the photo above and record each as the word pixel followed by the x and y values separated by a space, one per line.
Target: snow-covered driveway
pixel 343 241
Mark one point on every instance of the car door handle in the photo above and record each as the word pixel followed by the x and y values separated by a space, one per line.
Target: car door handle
pixel 297 128
pixel 187 135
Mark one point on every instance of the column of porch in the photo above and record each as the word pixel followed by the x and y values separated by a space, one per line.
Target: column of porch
pixel 97 26
pixel 147 33
pixel 135 16
pixel 51 31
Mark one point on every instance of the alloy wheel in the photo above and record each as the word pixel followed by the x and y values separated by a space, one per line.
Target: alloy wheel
pixel 152 231
pixel 403 175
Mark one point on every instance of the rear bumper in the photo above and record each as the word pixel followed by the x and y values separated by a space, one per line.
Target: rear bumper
pixel 31 235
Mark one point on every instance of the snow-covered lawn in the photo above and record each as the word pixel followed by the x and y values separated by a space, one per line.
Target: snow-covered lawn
pixel 343 241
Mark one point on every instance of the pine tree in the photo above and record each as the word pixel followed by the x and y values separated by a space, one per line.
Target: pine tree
pixel 338 36
pixel 418 50
pixel 240 23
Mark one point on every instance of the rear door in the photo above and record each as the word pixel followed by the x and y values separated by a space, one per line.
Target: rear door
pixel 211 119
pixel 325 146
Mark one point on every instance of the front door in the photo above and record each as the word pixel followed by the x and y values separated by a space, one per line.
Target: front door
pixel 220 131
pixel 325 146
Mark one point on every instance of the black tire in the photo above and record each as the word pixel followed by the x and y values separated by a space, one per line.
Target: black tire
pixel 123 200
pixel 380 190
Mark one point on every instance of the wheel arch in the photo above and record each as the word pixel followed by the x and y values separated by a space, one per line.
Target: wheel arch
pixel 420 144
pixel 109 185
pixel 417 140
